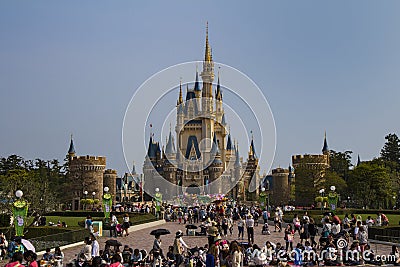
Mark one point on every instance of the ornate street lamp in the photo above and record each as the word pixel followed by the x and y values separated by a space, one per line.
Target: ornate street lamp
pixel 107 203
pixel 93 194
pixel 20 211
pixel 322 192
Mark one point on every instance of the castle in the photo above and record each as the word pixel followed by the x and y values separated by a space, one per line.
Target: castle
pixel 205 160
pixel 87 174
pixel 310 172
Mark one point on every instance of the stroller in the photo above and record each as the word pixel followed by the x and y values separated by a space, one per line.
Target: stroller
pixel 118 229
pixel 265 229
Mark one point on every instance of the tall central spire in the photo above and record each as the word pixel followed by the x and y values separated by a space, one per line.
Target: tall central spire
pixel 208 55
pixel 207 75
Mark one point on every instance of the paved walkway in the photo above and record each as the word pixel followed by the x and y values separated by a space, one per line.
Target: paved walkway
pixel 142 239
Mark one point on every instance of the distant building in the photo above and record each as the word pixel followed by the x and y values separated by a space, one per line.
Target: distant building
pixel 310 172
pixel 87 173
pixel 129 187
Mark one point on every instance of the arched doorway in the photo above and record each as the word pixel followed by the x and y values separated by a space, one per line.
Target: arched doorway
pixel 193 189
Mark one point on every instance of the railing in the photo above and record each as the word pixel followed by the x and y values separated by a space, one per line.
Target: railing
pixel 57 240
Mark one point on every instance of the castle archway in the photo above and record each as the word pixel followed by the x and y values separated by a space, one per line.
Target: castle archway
pixel 193 189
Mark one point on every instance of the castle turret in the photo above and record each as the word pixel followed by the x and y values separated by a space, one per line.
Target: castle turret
pixel 110 181
pixel 71 150
pixel 325 149
pixel 216 168
pixel 219 110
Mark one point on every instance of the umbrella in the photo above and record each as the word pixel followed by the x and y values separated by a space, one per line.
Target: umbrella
pixel 113 242
pixel 28 245
pixel 160 232
pixel 191 226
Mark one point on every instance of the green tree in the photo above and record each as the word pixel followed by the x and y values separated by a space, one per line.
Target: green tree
pixel 390 152
pixel 332 178
pixel 340 163
pixel 371 185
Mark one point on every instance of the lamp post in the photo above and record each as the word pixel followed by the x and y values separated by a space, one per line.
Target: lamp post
pixel 322 192
pixel 41 204
pixel 85 193
pixel 158 201
pixel 348 201
pixel 93 194
pixel 20 211
pixel 107 203
pixel 333 198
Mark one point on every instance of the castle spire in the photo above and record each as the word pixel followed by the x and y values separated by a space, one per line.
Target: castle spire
pixel 237 159
pixel 218 94
pixel 325 148
pixel 207 56
pixel 71 150
pixel 252 152
pixel 229 142
pixel 170 147
pixel 180 99
pixel 197 84
pixel 214 148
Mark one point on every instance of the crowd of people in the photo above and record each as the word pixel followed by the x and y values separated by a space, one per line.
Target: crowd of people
pixel 230 231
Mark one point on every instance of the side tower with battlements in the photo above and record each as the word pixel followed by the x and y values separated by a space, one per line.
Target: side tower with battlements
pixel 310 172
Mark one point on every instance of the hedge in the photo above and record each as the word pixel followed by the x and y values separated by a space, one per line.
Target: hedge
pixel 87 213
pixel 33 232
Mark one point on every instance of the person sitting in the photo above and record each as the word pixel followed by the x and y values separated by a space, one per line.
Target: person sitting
pixel 126 256
pixel 171 256
pixel 16 260
pixel 395 256
pixel 47 256
pixel 58 256
pixel 136 257
pixel 30 258
pixel 116 261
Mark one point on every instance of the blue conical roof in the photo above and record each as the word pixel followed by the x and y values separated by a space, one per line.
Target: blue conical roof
pixel 170 148
pixel 71 149
pixel 229 143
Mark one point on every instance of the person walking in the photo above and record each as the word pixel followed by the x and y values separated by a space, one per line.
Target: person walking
pixel 240 225
pixel 95 246
pixel 113 225
pixel 289 237
pixel 250 229
pixel 179 246
pixel 265 215
pixel 125 224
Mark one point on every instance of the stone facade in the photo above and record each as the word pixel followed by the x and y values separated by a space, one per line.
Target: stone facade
pixel 88 173
pixel 309 172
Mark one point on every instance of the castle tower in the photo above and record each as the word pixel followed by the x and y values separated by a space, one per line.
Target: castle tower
pixel 207 76
pixel 310 175
pixel 110 180
pixel 281 189
pixel 216 168
pixel 251 173
pixel 86 173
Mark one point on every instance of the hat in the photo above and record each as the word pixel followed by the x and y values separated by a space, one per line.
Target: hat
pixel 179 233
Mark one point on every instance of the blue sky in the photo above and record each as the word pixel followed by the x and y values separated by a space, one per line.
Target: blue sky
pixel 72 67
